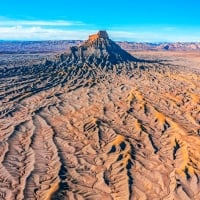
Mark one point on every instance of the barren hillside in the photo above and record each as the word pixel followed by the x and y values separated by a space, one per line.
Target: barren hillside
pixel 96 123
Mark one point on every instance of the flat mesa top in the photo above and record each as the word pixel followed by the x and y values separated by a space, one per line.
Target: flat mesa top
pixel 100 34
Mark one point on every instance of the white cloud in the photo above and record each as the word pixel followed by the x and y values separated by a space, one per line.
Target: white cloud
pixel 40 33
pixel 10 22
pixel 68 30
pixel 154 36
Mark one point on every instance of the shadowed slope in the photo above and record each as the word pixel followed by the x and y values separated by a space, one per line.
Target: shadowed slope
pixel 98 51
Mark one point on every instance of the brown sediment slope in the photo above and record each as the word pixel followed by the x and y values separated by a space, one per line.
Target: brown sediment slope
pixel 97 123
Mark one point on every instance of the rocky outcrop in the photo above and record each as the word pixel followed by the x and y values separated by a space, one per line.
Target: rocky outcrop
pixel 99 51
pixel 85 126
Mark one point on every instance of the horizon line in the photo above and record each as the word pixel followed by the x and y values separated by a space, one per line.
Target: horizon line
pixel 53 40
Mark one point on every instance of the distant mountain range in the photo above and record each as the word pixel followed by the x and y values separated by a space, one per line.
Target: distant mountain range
pixel 63 45
pixel 177 46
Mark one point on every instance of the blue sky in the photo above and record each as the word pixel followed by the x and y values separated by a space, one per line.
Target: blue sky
pixel 127 20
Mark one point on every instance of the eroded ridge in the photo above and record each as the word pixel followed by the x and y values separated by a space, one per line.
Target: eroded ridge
pixel 87 131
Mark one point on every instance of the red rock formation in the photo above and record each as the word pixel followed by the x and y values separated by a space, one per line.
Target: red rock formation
pixel 100 34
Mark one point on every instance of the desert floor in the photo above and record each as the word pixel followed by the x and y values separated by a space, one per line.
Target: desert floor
pixel 119 136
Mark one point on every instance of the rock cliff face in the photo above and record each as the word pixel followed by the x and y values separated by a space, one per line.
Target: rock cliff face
pixel 96 123
pixel 100 51
pixel 94 37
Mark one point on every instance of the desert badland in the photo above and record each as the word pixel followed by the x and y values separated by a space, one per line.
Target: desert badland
pixel 99 123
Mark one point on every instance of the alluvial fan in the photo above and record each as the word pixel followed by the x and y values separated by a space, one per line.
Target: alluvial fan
pixel 97 123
